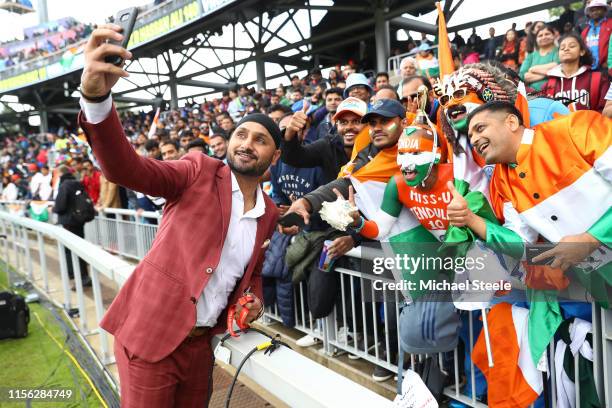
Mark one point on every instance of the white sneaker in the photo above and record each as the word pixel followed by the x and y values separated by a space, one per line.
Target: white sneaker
pixel 307 341
pixel 345 336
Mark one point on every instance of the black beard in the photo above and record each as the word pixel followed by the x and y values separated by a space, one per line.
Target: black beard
pixel 256 170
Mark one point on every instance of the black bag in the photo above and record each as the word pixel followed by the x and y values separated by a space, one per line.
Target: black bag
pixel 83 209
pixel 323 289
pixel 434 377
pixel 14 315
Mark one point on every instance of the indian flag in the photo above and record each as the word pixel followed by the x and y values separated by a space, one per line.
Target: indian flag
pixel 514 380
pixel 445 56
pixel 409 237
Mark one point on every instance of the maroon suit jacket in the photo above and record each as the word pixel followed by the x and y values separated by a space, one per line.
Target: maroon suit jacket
pixel 156 308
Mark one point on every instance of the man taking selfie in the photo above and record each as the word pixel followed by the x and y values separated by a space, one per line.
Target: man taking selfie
pixel 207 255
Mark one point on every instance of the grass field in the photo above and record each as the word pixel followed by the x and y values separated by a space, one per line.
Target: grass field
pixel 36 361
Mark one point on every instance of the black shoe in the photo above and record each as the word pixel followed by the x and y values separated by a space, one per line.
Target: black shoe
pixel 381 374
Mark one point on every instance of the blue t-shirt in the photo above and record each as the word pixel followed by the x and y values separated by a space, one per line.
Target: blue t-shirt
pixel 592 40
pixel 292 182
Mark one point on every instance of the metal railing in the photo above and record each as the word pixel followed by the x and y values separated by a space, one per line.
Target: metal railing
pixel 394 61
pixel 17 207
pixel 377 338
pixel 25 236
pixel 124 232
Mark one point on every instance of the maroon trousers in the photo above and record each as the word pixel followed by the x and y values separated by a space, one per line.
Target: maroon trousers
pixel 182 379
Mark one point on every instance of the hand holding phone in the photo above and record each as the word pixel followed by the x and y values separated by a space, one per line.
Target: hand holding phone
pixel 125 19
pixel 292 219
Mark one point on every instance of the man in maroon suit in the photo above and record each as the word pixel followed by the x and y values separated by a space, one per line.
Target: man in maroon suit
pixel 208 251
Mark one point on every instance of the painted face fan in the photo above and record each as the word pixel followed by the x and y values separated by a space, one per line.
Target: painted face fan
pixel 418 148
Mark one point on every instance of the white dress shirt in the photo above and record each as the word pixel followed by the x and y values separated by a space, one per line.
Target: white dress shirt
pixel 235 256
pixel 237 247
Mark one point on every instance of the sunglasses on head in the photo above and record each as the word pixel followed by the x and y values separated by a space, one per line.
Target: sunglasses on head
pixel 457 95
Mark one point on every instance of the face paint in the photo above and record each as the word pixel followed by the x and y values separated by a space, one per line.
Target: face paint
pixel 461 98
pixel 416 166
pixel 416 177
pixel 391 127
pixel 416 155
pixel 460 125
pixel 470 103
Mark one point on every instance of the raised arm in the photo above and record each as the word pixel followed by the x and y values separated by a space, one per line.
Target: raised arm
pixel 121 164
pixel 118 160
pixel 296 154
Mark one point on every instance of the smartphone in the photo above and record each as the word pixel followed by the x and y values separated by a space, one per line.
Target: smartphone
pixel 531 251
pixel 291 219
pixel 126 19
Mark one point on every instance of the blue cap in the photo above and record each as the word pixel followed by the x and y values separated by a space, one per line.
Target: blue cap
pixel 424 47
pixel 388 108
pixel 357 79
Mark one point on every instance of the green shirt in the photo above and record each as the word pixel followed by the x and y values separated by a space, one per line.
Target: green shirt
pixel 534 58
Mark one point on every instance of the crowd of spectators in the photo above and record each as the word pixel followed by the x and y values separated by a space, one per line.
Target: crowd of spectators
pixel 568 61
pixel 47 40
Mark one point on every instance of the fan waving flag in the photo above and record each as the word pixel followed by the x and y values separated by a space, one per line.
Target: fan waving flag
pixel 445 56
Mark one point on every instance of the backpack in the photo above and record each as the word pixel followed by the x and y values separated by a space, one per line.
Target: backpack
pixel 429 325
pixel 83 209
pixel 14 315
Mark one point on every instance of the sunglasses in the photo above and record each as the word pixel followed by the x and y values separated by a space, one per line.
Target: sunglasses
pixel 457 95
pixel 409 97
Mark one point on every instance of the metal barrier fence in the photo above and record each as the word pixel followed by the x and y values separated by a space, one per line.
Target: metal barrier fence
pixel 17 207
pixel 26 236
pixel 124 232
pixel 394 62
pixel 376 340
